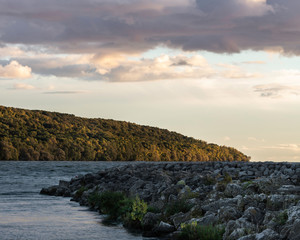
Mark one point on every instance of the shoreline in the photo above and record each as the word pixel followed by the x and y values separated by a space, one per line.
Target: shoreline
pixel 248 199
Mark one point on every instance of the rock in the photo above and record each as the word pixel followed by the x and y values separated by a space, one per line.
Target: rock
pixel 208 219
pixel 228 213
pixel 150 220
pixel 289 189
pixel 253 215
pixel 179 218
pixel 163 228
pixel 49 191
pixel 214 206
pixel 248 237
pixel 295 230
pixel 238 228
pixel 64 184
pixel 267 234
pixel 232 190
pixel 245 207
pixel 275 202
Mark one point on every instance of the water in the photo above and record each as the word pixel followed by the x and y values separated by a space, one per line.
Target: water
pixel 25 214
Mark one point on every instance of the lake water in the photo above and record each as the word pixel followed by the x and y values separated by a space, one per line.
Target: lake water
pixel 25 214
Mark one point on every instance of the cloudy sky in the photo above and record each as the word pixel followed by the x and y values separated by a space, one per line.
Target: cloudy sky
pixel 226 72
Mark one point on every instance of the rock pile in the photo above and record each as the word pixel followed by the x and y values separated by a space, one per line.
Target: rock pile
pixel 252 201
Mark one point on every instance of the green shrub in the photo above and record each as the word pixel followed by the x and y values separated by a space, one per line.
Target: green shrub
pixel 209 180
pixel 94 200
pixel 197 232
pixel 153 209
pixel 114 204
pixel 117 206
pixel 227 178
pixel 139 209
pixel 177 206
pixel 281 218
pixel 80 191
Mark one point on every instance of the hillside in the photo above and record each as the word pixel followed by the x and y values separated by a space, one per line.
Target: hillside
pixel 41 135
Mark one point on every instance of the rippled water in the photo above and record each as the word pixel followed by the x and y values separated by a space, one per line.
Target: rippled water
pixel 25 214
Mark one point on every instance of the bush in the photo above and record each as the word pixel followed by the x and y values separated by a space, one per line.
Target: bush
pixel 281 218
pixel 139 209
pixel 114 204
pixel 177 206
pixel 80 191
pixel 227 178
pixel 197 232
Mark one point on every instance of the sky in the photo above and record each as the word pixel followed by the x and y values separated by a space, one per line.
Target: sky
pixel 225 72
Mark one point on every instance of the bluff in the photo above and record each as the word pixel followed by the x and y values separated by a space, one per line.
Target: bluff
pixel 41 135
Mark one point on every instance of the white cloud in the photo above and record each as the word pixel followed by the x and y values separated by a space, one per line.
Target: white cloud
pixel 286 146
pixel 23 86
pixel 275 90
pixel 162 67
pixel 256 139
pixel 15 70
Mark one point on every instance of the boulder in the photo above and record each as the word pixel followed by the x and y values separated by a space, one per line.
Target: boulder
pixel 254 215
pixel 267 234
pixel 150 220
pixel 228 213
pixel 233 189
pixel 163 228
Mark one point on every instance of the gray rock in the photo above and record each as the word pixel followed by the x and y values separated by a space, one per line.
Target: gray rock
pixel 209 219
pixel 233 189
pixel 248 237
pixel 228 213
pixel 276 202
pixel 150 220
pixel 253 215
pixel 179 218
pixel 164 228
pixel 215 205
pixel 238 228
pixel 267 234
pixel 295 230
pixel 289 189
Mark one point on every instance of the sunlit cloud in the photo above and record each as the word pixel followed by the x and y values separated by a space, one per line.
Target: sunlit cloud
pixel 22 86
pixel 290 146
pixel 14 70
pixel 227 138
pixel 65 92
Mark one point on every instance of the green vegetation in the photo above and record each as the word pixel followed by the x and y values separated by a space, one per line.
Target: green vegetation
pixel 80 191
pixel 41 135
pixel 118 206
pixel 282 218
pixel 114 204
pixel 139 209
pixel 194 231
pixel 177 206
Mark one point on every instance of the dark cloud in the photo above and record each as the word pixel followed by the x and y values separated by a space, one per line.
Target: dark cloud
pixel 102 27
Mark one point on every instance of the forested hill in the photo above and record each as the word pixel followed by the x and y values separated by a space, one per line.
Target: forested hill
pixel 41 135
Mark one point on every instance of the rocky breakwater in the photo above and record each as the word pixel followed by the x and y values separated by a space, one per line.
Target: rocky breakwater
pixel 245 201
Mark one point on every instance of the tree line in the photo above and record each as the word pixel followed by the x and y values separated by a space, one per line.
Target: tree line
pixel 47 136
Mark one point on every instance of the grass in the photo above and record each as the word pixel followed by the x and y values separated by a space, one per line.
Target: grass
pixel 177 206
pixel 194 231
